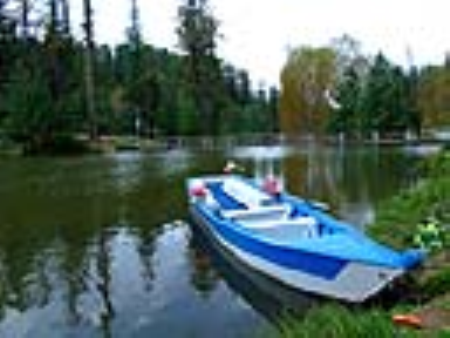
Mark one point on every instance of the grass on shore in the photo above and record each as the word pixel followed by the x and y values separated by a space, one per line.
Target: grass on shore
pixel 337 321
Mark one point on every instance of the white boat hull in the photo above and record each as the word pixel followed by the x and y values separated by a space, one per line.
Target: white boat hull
pixel 356 282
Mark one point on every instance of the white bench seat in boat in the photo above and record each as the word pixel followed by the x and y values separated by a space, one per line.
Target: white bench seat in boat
pixel 258 213
pixel 244 193
pixel 303 221
pixel 304 226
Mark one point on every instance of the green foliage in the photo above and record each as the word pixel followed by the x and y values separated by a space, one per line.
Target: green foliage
pixel 382 106
pixel 437 284
pixel 348 93
pixel 44 80
pixel 438 165
pixel 59 144
pixel 397 219
pixel 43 84
pixel 197 35
pixel 43 93
pixel 6 57
pixel 430 235
pixel 388 104
pixel 337 321
pixel 434 93
pixel 198 29
pixel 27 100
pixel 308 74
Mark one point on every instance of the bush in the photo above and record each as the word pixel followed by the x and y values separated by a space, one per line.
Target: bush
pixel 58 144
pixel 397 218
pixel 437 283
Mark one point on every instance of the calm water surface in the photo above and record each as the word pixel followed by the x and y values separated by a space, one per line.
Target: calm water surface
pixel 101 246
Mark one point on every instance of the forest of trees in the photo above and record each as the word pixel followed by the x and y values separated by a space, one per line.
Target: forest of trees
pixel 54 85
pixel 336 89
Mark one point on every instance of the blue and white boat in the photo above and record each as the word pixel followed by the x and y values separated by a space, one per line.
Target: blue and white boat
pixel 292 241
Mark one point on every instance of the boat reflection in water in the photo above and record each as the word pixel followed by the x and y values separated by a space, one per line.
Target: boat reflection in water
pixel 267 296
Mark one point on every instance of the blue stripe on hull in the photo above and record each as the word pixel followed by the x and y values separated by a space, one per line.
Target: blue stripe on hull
pixel 325 267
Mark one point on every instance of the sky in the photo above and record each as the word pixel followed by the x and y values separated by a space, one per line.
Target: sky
pixel 256 35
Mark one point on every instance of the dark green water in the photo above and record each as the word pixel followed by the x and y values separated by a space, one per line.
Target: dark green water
pixel 101 246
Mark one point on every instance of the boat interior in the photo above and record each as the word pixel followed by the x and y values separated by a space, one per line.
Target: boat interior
pixel 258 211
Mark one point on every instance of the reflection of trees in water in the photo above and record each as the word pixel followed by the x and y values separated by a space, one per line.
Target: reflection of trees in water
pixel 103 283
pixel 22 265
pixel 307 172
pixel 54 252
pixel 50 216
pixel 213 265
pixel 340 174
pixel 350 178
pixel 315 172
pixel 294 168
pixel 320 175
pixel 146 251
pixel 204 277
pixel 266 167
pixel 77 271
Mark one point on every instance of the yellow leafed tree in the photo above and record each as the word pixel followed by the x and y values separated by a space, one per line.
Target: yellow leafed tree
pixel 307 77
pixel 434 96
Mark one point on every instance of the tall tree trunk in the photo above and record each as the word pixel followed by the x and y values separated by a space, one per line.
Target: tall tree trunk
pixel 65 17
pixel 134 32
pixel 89 69
pixel 25 19
pixel 55 57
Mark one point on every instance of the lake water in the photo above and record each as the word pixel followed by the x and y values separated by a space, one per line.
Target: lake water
pixel 102 246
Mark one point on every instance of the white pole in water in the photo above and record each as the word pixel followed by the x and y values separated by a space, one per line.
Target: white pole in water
pixel 137 125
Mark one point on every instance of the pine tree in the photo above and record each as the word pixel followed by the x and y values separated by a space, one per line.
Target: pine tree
pixel 197 33
pixel 89 79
